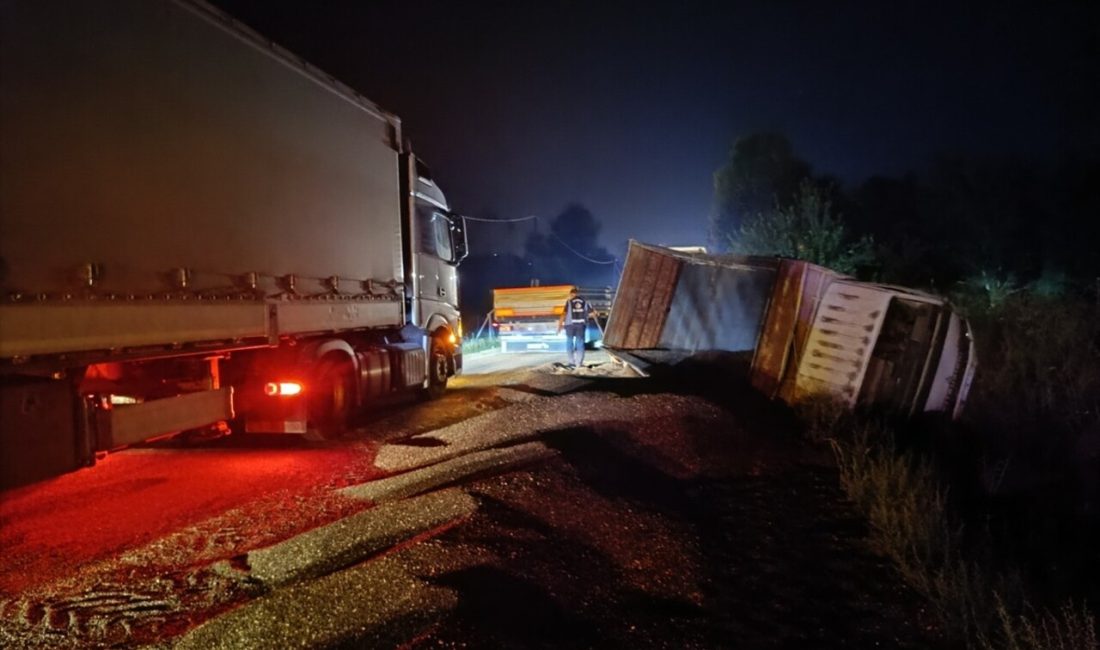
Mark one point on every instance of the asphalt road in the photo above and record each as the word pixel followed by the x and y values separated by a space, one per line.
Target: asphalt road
pixel 136 495
pixel 528 507
pixel 491 363
pixel 180 505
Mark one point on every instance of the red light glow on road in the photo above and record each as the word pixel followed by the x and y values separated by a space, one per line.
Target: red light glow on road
pixel 51 529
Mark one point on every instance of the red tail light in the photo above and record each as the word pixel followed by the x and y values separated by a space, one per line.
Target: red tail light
pixel 282 389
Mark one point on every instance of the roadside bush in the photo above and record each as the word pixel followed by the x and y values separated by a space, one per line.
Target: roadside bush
pixel 1034 411
pixel 991 289
pixel 903 496
pixel 469 346
pixel 810 229
pixel 1039 363
pixel 1034 416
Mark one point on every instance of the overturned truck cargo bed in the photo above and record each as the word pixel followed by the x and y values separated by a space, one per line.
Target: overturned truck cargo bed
pixel 811 331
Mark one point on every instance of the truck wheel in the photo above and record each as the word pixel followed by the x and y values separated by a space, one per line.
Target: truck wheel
pixel 438 362
pixel 332 400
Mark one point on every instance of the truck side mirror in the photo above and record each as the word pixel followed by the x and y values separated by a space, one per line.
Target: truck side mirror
pixel 459 244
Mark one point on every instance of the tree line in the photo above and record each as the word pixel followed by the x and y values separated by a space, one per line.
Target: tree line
pixel 999 222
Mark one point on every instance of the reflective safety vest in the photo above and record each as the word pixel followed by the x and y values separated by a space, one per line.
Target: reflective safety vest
pixel 576 311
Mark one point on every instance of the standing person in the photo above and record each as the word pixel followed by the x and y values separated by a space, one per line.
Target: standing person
pixel 575 319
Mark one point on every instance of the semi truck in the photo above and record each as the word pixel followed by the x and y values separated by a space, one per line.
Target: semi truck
pixel 200 231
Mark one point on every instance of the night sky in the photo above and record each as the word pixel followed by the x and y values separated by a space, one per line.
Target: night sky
pixel 628 108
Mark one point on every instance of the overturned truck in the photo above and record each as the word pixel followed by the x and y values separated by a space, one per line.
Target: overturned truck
pixel 811 332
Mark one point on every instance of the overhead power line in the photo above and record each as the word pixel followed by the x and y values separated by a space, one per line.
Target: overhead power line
pixel 561 241
pixel 516 220
pixel 579 254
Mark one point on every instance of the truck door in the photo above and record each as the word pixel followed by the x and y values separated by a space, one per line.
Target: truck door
pixel 437 256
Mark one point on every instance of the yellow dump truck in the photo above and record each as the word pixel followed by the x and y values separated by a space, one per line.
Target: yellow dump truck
pixel 526 318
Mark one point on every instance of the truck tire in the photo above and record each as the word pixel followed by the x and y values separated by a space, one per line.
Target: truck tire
pixel 332 400
pixel 438 364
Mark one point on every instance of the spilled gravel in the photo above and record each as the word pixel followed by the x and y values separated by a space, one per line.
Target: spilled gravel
pixel 667 522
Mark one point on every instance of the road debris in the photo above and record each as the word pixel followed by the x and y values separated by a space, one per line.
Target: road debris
pixel 603 370
pixel 520 422
pixel 422 480
pixel 342 543
pixel 377 604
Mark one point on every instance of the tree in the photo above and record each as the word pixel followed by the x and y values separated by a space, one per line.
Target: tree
pixel 892 210
pixel 762 172
pixel 808 229
pixel 570 253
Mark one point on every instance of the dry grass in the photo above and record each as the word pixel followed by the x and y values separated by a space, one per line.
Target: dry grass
pixel 1069 628
pixel 906 505
pixel 1039 366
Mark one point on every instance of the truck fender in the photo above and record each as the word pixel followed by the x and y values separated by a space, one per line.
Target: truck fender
pixel 437 322
pixel 313 352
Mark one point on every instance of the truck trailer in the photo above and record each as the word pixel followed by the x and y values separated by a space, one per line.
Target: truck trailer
pixel 810 332
pixel 200 231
